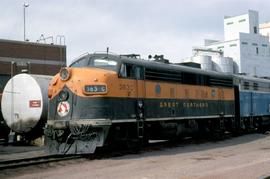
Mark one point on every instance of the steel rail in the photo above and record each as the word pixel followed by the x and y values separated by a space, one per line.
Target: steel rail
pixel 17 163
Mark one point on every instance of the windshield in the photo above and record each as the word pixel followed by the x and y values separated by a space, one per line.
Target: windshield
pixel 98 62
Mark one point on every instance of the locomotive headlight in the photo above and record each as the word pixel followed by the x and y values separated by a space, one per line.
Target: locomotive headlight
pixel 65 74
pixel 95 89
pixel 63 95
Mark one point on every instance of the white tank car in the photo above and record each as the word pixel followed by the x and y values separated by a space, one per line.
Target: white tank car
pixel 25 103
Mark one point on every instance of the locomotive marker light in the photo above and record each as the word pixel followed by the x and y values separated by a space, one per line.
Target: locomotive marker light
pixel 63 95
pixel 63 108
pixel 65 74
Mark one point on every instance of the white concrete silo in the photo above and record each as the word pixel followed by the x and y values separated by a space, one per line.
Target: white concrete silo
pixel 223 64
pixel 205 61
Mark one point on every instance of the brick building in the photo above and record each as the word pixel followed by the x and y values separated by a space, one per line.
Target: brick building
pixel 35 58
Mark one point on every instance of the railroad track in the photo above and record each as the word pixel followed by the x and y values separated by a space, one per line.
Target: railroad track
pixel 8 164
pixel 101 154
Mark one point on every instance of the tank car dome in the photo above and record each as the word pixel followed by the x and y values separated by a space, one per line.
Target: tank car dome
pixel 24 101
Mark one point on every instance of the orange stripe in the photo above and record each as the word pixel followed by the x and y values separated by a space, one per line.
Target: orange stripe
pixel 181 91
pixel 130 88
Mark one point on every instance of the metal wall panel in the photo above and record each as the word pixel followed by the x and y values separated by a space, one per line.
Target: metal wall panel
pixel 254 103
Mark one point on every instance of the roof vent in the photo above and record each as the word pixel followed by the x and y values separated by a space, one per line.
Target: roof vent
pixel 136 56
pixel 159 58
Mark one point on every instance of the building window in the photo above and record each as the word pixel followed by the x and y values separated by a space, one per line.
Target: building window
pixel 244 43
pixel 232 45
pixel 242 20
pixel 229 23
pixel 255 29
pixel 255 44
pixel 255 86
pixel 264 45
pixel 246 85
pixel 257 50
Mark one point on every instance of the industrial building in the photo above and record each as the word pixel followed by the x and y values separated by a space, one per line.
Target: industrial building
pixel 245 48
pixel 35 58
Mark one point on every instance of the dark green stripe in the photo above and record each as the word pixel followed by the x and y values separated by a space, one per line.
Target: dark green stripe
pixel 125 108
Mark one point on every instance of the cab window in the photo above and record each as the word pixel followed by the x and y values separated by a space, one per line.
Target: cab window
pixel 82 62
pixel 131 71
pixel 102 62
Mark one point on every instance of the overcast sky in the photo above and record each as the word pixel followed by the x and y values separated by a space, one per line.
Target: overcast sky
pixel 169 27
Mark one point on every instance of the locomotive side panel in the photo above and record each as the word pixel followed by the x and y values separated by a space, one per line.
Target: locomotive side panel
pixel 254 101
pixel 245 103
pixel 165 100
pixel 254 96
pixel 261 104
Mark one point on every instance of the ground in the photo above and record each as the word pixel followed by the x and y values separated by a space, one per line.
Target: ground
pixel 239 157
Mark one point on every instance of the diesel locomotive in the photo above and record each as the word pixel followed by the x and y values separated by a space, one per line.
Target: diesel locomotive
pixel 104 99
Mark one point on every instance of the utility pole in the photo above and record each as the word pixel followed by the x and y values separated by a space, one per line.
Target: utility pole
pixel 24 7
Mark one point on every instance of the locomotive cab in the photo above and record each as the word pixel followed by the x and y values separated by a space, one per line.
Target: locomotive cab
pixel 79 100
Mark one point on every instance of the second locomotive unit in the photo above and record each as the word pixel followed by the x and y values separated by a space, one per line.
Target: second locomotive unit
pixel 101 99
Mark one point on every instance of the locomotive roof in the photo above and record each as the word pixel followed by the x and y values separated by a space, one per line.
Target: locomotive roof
pixel 163 66
pixel 170 66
